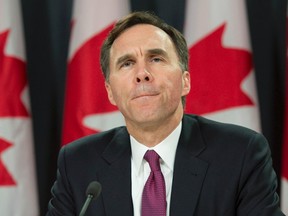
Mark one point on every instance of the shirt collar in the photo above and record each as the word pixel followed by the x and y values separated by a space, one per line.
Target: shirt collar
pixel 165 149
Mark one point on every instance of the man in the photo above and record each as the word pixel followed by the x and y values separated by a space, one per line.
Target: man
pixel 207 168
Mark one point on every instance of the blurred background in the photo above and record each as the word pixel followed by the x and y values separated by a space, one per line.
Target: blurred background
pixel 48 24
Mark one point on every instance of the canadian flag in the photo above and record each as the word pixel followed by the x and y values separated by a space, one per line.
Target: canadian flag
pixel 284 179
pixel 87 108
pixel 221 67
pixel 18 193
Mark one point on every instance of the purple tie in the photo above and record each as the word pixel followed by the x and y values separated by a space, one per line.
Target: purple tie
pixel 154 192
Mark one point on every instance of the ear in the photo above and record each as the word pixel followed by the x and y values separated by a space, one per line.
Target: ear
pixel 186 83
pixel 109 93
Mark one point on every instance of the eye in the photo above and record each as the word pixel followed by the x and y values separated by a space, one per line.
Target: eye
pixel 126 64
pixel 156 59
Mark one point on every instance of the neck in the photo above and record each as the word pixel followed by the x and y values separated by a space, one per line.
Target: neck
pixel 151 134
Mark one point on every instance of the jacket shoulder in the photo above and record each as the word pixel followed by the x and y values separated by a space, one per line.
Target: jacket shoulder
pixel 95 143
pixel 225 134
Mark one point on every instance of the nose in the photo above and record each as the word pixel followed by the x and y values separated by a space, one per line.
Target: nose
pixel 143 75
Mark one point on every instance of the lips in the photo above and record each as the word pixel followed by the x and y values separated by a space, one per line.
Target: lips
pixel 145 95
pixel 144 91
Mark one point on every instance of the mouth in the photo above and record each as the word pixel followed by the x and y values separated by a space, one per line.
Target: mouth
pixel 144 92
pixel 147 95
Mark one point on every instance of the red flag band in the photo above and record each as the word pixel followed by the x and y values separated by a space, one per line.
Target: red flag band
pixel 221 63
pixel 18 190
pixel 87 109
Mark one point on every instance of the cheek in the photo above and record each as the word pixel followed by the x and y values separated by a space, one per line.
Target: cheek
pixel 115 96
pixel 176 85
pixel 111 97
pixel 117 92
pixel 112 92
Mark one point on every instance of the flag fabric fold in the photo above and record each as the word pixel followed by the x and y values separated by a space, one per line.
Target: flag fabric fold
pixel 221 63
pixel 18 190
pixel 87 109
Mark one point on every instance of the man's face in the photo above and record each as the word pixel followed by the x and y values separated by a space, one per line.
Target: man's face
pixel 146 82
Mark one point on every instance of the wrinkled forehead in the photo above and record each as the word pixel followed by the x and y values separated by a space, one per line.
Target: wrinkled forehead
pixel 144 36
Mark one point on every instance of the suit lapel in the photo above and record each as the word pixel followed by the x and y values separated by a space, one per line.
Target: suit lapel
pixel 115 176
pixel 189 171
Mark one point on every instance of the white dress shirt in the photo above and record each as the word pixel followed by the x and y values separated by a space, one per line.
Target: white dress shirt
pixel 140 169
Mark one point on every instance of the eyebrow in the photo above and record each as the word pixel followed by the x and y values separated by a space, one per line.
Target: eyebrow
pixel 155 51
pixel 123 58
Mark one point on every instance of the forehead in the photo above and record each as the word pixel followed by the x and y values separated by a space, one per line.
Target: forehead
pixel 142 35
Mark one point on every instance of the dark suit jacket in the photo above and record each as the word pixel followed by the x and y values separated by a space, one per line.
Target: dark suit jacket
pixel 220 169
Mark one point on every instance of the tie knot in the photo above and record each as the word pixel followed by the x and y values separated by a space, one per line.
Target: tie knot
pixel 153 159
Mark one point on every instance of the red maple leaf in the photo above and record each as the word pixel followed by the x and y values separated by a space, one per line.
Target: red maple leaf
pixel 12 83
pixel 85 90
pixel 5 177
pixel 216 75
